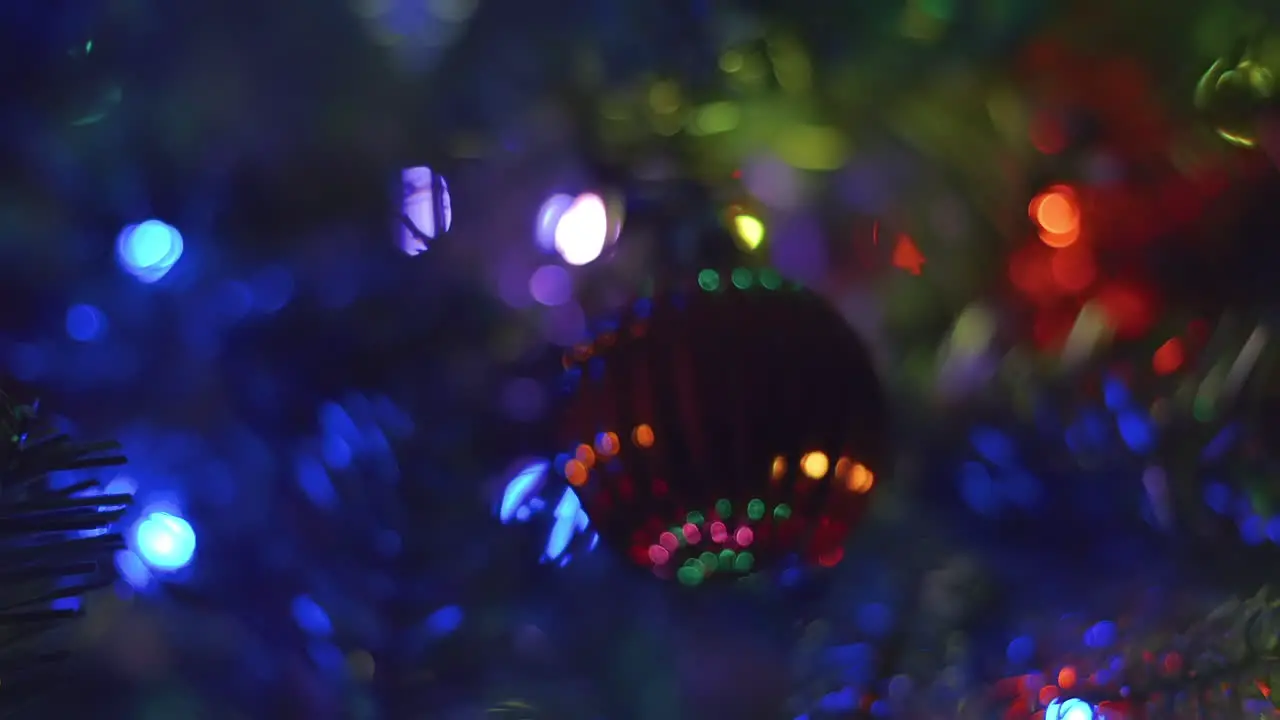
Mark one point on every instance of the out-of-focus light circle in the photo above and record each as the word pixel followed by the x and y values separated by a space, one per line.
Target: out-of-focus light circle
pixel 1020 650
pixel 1057 212
pixel 311 617
pixel 814 465
pixel 583 230
pixel 148 250
pixel 426 211
pixel 553 208
pixel 1071 709
pixel 164 541
pixel 551 285
pixel 444 621
pixel 749 230
pixel 85 323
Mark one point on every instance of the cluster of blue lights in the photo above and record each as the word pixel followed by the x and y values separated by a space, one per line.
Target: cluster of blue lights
pixel 357 431
pixel 856 665
pixel 998 479
pixel 522 501
pixel 1131 421
pixel 1231 500
pixel 1099 636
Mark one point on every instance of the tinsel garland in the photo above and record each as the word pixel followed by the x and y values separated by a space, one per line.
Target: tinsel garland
pixel 55 548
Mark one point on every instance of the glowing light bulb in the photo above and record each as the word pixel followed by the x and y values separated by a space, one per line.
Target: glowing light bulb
pixel 148 250
pixel 582 230
pixel 164 541
pixel 815 465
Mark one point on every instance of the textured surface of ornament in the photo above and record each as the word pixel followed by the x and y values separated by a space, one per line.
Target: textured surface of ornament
pixel 717 429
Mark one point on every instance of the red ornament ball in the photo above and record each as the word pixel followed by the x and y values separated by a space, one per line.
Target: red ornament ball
pixel 719 429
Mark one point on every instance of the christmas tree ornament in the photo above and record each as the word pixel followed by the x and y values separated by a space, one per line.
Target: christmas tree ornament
pixel 54 549
pixel 723 425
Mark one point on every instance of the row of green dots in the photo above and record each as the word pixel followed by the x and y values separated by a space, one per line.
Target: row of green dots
pixel 756 510
pixel 695 570
pixel 742 278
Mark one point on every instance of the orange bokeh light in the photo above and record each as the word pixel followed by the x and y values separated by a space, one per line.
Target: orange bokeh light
pixel 1057 212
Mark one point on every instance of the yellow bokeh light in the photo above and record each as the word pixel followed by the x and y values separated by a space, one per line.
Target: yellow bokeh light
pixel 815 465
pixel 642 436
pixel 750 231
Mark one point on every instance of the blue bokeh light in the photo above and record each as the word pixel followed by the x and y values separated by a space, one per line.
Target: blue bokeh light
pixel 1101 634
pixel 149 250
pixel 994 446
pixel 164 541
pixel 85 323
pixel 444 621
pixel 311 617
pixel 1020 650
pixel 1136 430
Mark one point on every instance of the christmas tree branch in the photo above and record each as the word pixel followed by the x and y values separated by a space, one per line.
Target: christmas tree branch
pixel 55 549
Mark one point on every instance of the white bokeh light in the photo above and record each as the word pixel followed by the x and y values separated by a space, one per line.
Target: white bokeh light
pixel 583 230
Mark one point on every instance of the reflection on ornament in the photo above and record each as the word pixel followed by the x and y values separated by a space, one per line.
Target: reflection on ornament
pixel 94 96
pixel 426 210
pixel 719 429
pixel 514 710
pixel 1233 95
pixel 1070 709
